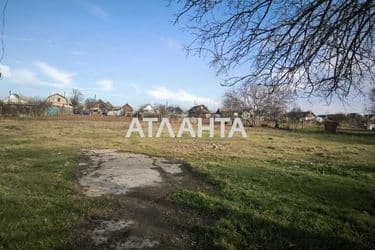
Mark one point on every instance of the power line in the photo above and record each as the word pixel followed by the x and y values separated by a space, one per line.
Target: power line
pixel 2 31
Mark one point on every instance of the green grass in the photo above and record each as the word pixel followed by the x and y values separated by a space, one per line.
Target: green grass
pixel 275 189
pixel 36 196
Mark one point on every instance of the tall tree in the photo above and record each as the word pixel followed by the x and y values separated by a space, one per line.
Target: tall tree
pixel 232 99
pixel 264 102
pixel 321 47
pixel 76 97
pixel 372 100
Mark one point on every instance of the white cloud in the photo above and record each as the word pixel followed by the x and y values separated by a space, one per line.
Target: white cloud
pixel 105 85
pixel 20 76
pixel 162 93
pixel 5 70
pixel 98 11
pixel 46 75
pixel 173 44
pixel 25 76
pixel 93 9
pixel 61 77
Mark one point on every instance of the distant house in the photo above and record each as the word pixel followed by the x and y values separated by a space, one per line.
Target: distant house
pixel 96 111
pixel 58 100
pixel 370 125
pixel 175 111
pixel 16 99
pixel 59 104
pixel 128 110
pixel 99 107
pixel 224 112
pixel 301 116
pixel 321 118
pixel 339 117
pixel 116 112
pixel 147 110
pixel 199 111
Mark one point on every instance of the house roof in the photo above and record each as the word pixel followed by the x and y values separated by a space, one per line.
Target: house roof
pixel 225 110
pixel 147 107
pixel 58 95
pixel 127 106
pixel 301 113
pixel 199 108
pixel 175 110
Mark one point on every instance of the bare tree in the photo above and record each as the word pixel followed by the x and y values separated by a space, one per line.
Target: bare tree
pixel 162 108
pixel 372 100
pixel 320 47
pixel 1 107
pixel 39 106
pixel 276 104
pixel 264 102
pixel 232 99
pixel 295 116
pixel 90 103
pixel 76 97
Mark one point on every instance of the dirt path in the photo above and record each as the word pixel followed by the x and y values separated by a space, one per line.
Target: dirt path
pixel 143 217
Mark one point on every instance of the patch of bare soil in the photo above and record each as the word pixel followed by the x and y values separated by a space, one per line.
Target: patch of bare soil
pixel 143 217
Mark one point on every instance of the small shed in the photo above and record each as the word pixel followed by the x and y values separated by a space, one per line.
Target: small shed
pixel 330 126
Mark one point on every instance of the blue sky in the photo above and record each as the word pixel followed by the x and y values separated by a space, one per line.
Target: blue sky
pixel 120 51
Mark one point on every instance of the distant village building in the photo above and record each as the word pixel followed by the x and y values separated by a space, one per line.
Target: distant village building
pixel 59 105
pixel 225 112
pixel 58 100
pixel 116 112
pixel 21 106
pixel 96 111
pixel 147 108
pixel 200 111
pixel 371 124
pixel 99 107
pixel 127 110
pixel 16 99
pixel 301 116
pixel 148 111
pixel 175 111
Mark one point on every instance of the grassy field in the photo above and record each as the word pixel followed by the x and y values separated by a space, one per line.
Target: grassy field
pixel 274 189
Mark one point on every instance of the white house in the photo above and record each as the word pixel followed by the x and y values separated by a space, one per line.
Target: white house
pixel 148 109
pixel 116 112
pixel 16 99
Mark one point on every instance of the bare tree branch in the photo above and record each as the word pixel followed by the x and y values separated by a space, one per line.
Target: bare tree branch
pixel 320 47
